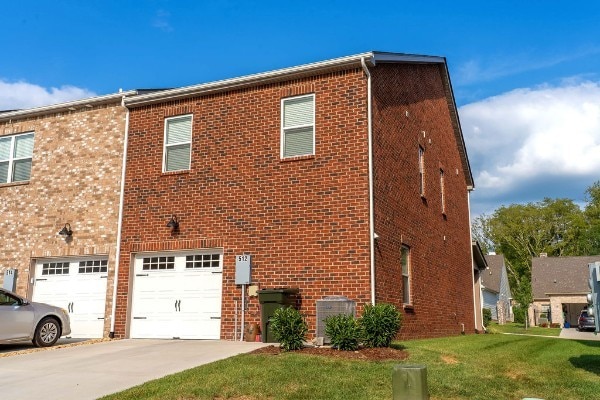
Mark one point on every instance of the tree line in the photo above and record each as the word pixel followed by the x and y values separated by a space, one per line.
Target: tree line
pixel 557 227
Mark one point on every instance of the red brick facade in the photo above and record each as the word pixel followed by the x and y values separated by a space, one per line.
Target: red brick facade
pixel 306 220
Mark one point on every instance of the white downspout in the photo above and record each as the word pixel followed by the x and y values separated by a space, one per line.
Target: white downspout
pixel 472 266
pixel 119 224
pixel 371 202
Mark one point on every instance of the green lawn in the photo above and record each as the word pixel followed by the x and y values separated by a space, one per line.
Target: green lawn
pixel 464 367
pixel 520 328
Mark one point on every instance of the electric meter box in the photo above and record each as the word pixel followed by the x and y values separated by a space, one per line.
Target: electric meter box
pixel 243 268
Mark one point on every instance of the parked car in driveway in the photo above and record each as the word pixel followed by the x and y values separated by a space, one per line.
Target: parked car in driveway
pixel 585 321
pixel 22 320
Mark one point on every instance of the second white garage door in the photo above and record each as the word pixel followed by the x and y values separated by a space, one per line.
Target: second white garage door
pixel 177 296
pixel 78 286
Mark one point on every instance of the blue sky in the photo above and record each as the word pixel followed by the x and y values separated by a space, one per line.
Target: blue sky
pixel 526 75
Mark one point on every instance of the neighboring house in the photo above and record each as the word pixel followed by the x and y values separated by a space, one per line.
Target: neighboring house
pixel 347 177
pixel 479 266
pixel 559 287
pixel 496 289
pixel 60 171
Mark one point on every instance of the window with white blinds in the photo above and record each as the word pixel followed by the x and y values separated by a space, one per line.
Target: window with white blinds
pixel 298 126
pixel 178 143
pixel 15 157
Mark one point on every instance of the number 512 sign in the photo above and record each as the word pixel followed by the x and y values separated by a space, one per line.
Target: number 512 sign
pixel 243 267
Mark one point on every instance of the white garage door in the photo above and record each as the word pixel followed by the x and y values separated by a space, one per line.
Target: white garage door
pixel 177 296
pixel 78 286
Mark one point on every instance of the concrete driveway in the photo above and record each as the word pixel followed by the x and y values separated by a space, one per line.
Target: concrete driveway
pixel 89 371
pixel 572 333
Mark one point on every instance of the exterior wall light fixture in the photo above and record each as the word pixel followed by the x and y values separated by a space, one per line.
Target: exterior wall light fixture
pixel 66 231
pixel 173 223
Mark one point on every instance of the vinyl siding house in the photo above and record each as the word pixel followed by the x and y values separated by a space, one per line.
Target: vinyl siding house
pixel 496 289
pixel 60 171
pixel 479 267
pixel 347 177
pixel 559 287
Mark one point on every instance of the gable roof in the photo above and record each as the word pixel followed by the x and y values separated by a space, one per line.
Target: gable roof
pixel 361 60
pixel 560 275
pixel 490 278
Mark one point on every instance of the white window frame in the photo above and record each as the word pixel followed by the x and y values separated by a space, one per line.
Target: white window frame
pixel 443 190
pixel 165 145
pixel 285 129
pixel 406 276
pixel 11 157
pixel 421 171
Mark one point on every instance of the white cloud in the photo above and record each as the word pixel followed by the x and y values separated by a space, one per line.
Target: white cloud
pixel 522 138
pixel 161 21
pixel 19 95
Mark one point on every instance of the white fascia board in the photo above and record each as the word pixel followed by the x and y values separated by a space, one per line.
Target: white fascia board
pixel 248 80
pixel 90 101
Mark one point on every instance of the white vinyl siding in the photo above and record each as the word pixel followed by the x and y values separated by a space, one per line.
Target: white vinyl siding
pixel 178 143
pixel 298 126
pixel 15 158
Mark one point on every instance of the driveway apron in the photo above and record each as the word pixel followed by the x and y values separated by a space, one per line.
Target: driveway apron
pixel 94 370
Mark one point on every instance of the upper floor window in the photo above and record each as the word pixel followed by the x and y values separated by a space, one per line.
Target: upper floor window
pixel 298 126
pixel 421 171
pixel 178 143
pixel 15 157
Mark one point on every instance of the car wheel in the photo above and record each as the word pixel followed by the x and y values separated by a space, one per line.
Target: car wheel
pixel 46 333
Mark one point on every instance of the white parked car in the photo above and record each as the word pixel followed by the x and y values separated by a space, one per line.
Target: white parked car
pixel 22 320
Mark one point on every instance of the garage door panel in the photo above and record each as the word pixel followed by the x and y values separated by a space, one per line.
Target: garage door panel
pixel 191 290
pixel 79 286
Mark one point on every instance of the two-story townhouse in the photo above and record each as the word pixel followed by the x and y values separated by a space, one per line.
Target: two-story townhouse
pixel 60 185
pixel 347 177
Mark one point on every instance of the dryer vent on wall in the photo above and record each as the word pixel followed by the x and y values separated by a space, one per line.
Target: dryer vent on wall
pixel 332 305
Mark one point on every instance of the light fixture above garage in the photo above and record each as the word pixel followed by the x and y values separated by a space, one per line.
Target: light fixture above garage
pixel 173 223
pixel 66 231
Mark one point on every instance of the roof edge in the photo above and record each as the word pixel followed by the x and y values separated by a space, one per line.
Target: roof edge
pixel 90 101
pixel 372 57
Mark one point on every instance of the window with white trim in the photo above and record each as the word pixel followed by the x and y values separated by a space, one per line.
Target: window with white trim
pixel 158 263
pixel 15 157
pixel 298 126
pixel 443 191
pixel 178 143
pixel 405 261
pixel 421 171
pixel 203 261
pixel 55 268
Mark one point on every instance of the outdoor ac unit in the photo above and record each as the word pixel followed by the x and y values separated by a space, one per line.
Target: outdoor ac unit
pixel 332 305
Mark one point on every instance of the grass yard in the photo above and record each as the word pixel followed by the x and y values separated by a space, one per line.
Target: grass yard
pixel 512 327
pixel 465 367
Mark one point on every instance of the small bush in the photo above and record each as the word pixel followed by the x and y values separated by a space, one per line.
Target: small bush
pixel 344 331
pixel 520 314
pixel 544 325
pixel 487 316
pixel 380 324
pixel 289 328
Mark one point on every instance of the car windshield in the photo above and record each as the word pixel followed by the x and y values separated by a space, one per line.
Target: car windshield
pixel 584 314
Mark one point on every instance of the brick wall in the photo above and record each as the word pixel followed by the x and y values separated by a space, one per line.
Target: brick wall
pixel 305 221
pixel 410 109
pixel 75 178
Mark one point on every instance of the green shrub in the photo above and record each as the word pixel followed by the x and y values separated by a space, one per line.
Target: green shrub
pixel 487 317
pixel 520 314
pixel 343 330
pixel 380 324
pixel 289 328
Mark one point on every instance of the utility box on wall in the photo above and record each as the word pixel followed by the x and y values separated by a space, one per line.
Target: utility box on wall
pixel 243 268
pixel 10 279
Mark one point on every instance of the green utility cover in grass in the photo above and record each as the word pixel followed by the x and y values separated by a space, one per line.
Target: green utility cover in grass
pixel 409 382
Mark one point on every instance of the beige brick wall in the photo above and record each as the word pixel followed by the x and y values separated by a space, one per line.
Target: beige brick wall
pixel 75 178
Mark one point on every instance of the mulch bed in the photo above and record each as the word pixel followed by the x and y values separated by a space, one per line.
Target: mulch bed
pixel 369 354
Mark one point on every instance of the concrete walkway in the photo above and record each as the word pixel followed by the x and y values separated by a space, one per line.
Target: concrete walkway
pixel 90 371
